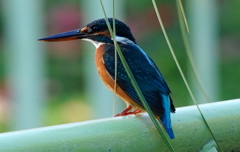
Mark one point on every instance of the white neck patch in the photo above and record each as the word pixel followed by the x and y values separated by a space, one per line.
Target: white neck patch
pixel 123 40
pixel 120 39
pixel 95 43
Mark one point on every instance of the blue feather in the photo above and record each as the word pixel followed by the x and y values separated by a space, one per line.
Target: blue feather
pixel 165 118
pixel 149 78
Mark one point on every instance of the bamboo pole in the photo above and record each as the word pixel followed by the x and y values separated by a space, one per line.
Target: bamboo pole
pixel 135 133
pixel 24 62
pixel 204 38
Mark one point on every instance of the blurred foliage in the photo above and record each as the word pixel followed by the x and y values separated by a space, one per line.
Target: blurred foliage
pixel 229 22
pixel 62 69
pixel 229 47
pixel 73 109
pixel 65 75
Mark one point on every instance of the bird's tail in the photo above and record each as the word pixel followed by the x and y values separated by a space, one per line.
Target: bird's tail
pixel 166 118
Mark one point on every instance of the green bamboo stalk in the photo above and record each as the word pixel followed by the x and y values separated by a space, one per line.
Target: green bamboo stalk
pixel 115 55
pixel 136 87
pixel 134 133
pixel 184 31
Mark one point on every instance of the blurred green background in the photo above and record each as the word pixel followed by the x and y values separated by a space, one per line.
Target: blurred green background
pixel 64 68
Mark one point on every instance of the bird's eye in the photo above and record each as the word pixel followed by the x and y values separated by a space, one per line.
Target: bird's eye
pixel 95 28
pixel 89 30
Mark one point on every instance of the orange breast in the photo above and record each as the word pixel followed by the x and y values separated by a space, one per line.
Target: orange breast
pixel 109 82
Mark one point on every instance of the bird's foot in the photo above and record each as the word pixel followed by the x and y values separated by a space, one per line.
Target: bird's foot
pixel 126 112
pixel 134 112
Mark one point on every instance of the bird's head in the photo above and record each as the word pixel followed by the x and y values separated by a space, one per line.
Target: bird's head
pixel 96 32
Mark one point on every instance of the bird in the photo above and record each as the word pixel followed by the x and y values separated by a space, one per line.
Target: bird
pixel 147 75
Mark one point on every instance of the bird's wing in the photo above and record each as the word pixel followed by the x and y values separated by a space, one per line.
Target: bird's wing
pixel 146 73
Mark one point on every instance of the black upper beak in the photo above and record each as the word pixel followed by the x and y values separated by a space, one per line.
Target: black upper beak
pixel 66 36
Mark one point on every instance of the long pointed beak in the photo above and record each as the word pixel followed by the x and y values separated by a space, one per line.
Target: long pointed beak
pixel 66 36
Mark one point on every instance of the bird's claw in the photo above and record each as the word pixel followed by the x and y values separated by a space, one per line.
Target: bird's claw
pixel 126 112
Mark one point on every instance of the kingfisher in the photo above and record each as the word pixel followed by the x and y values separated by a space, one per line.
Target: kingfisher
pixel 150 80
